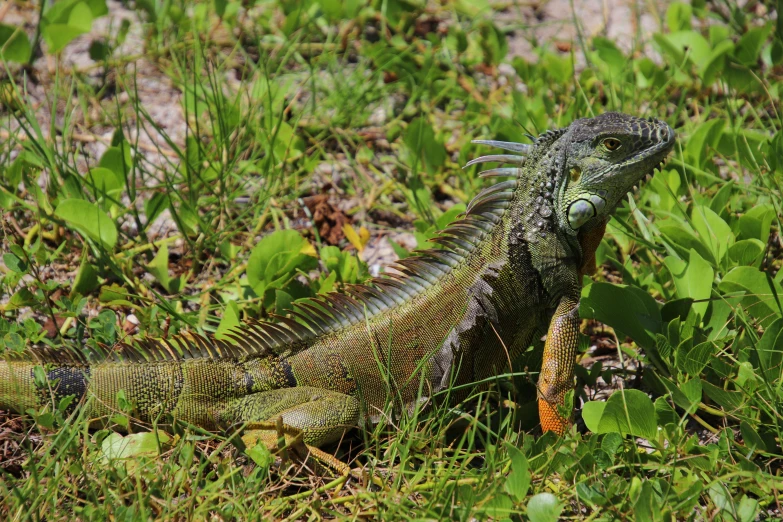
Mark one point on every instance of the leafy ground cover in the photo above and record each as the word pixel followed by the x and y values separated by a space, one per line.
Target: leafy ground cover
pixel 197 163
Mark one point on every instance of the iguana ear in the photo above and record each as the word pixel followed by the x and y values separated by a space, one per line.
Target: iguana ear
pixel 586 207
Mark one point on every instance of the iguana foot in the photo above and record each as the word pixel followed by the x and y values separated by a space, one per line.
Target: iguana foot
pixel 288 443
pixel 297 419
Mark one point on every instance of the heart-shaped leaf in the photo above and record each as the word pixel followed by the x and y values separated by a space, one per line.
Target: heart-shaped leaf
pixel 89 220
pixel 627 412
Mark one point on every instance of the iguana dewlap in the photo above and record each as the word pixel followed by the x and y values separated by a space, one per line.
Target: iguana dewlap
pixel 509 271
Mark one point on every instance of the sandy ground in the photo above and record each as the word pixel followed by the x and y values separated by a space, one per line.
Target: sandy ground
pixel 551 23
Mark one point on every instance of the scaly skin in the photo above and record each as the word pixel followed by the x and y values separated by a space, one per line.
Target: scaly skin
pixel 511 270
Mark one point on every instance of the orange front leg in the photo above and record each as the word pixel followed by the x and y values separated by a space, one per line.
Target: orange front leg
pixel 557 369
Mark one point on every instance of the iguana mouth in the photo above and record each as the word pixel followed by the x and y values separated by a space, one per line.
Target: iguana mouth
pixel 665 146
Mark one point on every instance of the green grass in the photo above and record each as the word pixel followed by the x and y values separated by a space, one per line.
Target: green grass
pixel 689 294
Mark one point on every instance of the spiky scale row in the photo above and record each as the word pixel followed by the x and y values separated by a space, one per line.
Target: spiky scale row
pixel 506 145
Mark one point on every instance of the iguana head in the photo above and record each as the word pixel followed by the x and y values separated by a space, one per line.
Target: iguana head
pixel 601 159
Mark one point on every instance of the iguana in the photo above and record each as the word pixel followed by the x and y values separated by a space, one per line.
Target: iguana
pixel 509 271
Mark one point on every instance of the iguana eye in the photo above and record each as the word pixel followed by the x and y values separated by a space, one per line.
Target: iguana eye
pixel 612 144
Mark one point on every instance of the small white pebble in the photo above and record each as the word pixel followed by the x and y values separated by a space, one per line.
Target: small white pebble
pixel 505 69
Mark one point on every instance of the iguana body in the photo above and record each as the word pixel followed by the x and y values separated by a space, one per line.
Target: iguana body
pixel 510 271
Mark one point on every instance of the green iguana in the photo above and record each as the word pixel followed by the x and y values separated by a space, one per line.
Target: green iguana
pixel 508 272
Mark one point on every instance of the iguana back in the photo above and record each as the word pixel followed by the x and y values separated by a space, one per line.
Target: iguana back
pixel 509 271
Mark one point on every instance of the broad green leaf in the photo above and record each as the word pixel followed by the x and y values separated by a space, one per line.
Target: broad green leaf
pixel 692 360
pixel 60 11
pixel 590 494
pixel 283 302
pixel 451 215
pixel 692 279
pixel 220 7
pixel 327 284
pixel 713 66
pixel 611 55
pixel 627 412
pixel 276 258
pixel 518 482
pixel 86 279
pixel 667 48
pixel 692 391
pixel 156 204
pixel 112 293
pixel 229 320
pixel 345 264
pixel 762 293
pixel 288 144
pixel 692 43
pixel 665 413
pixel 676 308
pixel 80 17
pixel 88 219
pixel 116 161
pixel 663 190
pixel 23 297
pixel 117 446
pixel 713 231
pixel 754 148
pixel 717 324
pixel 702 142
pixel 499 506
pixel 544 507
pixel 625 308
pixel 678 16
pixel 97 7
pixel 747 252
pixel 756 223
pixel 14 44
pixel 106 186
pixel 105 181
pixel 721 199
pixel 261 455
pixel 186 218
pixel 748 507
pixel 683 239
pixel 750 436
pixel 647 507
pixel 731 400
pixel 611 443
pixel 159 268
pixel 57 36
pixel 678 392
pixel 12 341
pixel 776 149
pixel 15 263
pixel 746 377
pixel 473 8
pixel 749 46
